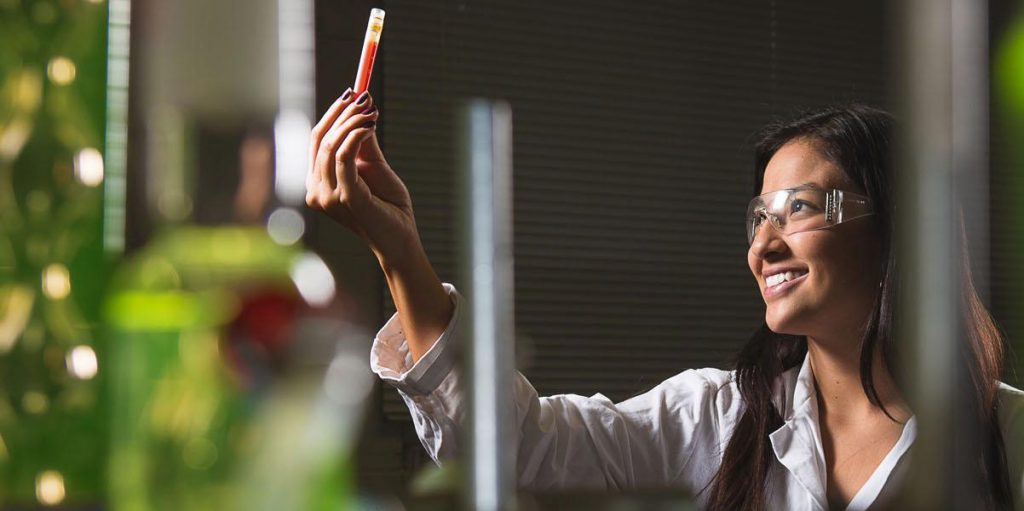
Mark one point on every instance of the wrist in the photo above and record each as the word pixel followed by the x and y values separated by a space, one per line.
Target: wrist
pixel 403 257
pixel 423 305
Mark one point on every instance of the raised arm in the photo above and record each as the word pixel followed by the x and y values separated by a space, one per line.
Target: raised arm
pixel 350 180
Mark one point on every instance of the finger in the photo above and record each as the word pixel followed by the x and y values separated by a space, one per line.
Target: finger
pixel 328 164
pixel 331 115
pixel 379 177
pixel 324 125
pixel 345 158
pixel 315 187
pixel 325 157
pixel 311 186
pixel 370 150
pixel 346 122
pixel 359 106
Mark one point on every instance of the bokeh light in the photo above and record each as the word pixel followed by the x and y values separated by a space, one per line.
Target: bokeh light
pixel 286 226
pixel 89 166
pixel 348 381
pixel 313 279
pixel 56 281
pixel 50 488
pixel 82 362
pixel 35 402
pixel 61 70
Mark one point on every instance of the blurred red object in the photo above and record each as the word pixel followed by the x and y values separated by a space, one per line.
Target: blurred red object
pixel 259 336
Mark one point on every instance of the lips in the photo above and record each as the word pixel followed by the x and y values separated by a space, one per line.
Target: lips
pixel 780 282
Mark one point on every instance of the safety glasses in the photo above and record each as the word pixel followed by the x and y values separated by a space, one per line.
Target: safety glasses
pixel 804 208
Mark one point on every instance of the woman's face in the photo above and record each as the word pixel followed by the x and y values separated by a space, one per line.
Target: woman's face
pixel 838 267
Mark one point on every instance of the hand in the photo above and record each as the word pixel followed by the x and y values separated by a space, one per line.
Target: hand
pixel 350 180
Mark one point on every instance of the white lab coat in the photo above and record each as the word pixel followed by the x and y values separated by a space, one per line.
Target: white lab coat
pixel 671 436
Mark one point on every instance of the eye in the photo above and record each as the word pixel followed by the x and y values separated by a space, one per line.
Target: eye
pixel 801 206
pixel 759 217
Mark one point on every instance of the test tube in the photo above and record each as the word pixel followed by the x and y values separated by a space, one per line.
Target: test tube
pixel 373 30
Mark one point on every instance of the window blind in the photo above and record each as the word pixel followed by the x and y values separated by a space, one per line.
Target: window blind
pixel 632 160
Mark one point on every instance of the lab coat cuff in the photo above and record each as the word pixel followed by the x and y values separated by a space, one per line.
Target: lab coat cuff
pixel 391 360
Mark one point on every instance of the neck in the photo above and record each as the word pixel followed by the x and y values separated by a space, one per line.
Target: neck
pixel 836 367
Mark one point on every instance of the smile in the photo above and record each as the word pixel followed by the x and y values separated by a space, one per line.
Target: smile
pixel 779 283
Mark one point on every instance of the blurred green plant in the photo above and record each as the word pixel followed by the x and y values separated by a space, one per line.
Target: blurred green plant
pixel 52 267
pixel 216 403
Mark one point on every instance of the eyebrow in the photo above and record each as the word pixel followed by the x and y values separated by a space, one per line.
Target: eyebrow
pixel 807 184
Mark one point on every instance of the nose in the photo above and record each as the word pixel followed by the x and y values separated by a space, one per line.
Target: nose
pixel 768 243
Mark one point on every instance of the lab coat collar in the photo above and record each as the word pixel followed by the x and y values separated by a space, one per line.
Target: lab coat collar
pixel 797 443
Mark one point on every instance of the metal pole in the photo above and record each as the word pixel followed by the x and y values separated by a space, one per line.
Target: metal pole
pixel 486 138
pixel 970 76
pixel 115 183
pixel 296 76
pixel 943 162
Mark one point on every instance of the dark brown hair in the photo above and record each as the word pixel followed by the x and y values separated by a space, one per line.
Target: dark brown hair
pixel 857 138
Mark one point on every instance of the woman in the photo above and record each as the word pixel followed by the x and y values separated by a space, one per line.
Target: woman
pixel 810 418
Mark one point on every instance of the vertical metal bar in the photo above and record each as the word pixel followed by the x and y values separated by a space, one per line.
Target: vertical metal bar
pixel 944 156
pixel 116 151
pixel 295 77
pixel 970 84
pixel 970 76
pixel 486 137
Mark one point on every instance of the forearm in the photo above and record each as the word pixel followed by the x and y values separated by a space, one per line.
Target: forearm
pixel 424 308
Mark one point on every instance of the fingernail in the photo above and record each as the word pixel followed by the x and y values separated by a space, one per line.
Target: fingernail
pixel 347 94
pixel 362 97
pixel 369 124
pixel 370 111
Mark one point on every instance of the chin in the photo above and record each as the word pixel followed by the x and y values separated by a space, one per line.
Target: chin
pixel 784 322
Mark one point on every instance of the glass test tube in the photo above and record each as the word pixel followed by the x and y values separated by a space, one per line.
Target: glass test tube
pixel 373 30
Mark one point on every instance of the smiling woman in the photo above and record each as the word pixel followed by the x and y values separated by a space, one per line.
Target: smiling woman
pixel 838 310
pixel 810 417
pixel 836 264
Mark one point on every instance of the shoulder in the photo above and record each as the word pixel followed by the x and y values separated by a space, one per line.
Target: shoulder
pixel 710 381
pixel 691 389
pixel 1011 410
pixel 705 391
pixel 1011 424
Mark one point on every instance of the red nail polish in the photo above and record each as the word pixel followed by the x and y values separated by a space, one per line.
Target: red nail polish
pixel 362 98
pixel 347 94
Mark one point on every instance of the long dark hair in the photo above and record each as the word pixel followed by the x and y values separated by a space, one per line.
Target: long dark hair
pixel 857 139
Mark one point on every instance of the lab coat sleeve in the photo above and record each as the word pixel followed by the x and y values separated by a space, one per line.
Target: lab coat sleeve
pixel 1011 418
pixel 670 436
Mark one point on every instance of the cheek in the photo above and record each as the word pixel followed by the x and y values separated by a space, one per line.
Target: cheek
pixel 855 265
pixel 846 274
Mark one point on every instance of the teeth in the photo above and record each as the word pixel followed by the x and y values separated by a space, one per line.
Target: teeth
pixel 779 278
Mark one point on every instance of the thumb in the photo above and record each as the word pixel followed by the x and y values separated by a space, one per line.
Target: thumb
pixel 370 149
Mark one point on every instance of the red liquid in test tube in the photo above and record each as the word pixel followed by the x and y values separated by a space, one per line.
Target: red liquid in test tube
pixel 369 55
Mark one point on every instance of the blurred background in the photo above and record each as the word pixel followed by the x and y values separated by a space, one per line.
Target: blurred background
pixel 177 331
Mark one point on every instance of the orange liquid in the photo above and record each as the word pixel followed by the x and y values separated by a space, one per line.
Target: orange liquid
pixel 366 66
